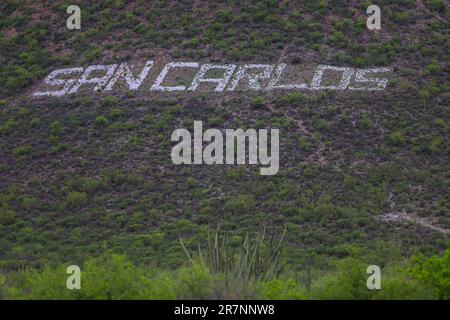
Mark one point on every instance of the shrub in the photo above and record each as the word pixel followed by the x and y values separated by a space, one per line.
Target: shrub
pixel 6 215
pixel 440 123
pixel 90 185
pixel 280 289
pixel 29 203
pixel 116 113
pixel 55 128
pixel 396 139
pixel 112 277
pixel 436 5
pixel 76 199
pixel 434 146
pixel 3 288
pixel 148 118
pixel 349 282
pixel 215 121
pixel 19 78
pixel 292 99
pixel 258 102
pixel 365 122
pixel 23 111
pixel 108 101
pixel 35 122
pixel 432 68
pixel 101 121
pixel 107 277
pixel 322 125
pixel 434 271
pixel 21 151
pixel 8 126
pixel 281 122
pixel 400 286
pixel 304 144
pixel 194 283
pixel 241 204
pixel 92 54
pixel 338 38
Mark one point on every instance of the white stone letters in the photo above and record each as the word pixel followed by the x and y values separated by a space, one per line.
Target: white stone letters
pixel 52 80
pixel 99 81
pixel 160 79
pixel 221 82
pixel 223 78
pixel 124 71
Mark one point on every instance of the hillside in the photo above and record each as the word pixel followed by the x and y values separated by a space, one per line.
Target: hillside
pixel 360 171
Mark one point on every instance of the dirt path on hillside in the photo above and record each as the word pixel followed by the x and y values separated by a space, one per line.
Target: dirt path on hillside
pixel 411 218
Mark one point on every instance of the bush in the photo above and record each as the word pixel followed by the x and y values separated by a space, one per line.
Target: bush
pixel 19 78
pixel 8 126
pixel 436 5
pixel 23 112
pixel 258 102
pixel 434 271
pixel 434 146
pixel 194 283
pixel 55 128
pixel 396 139
pixel 21 151
pixel 76 199
pixel 349 282
pixel 6 215
pixel 108 101
pixel 116 113
pixel 3 288
pixel 92 54
pixel 112 277
pixel 240 204
pixel 304 144
pixel 292 99
pixel 280 289
pixel 432 68
pixel 90 185
pixel 30 203
pixel 400 286
pixel 365 122
pixel 101 121
pixel 338 38
pixel 107 277
pixel 35 122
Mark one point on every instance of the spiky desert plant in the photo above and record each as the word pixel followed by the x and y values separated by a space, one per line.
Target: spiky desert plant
pixel 241 259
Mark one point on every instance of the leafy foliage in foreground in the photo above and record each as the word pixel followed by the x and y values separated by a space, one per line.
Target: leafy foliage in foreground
pixel 435 271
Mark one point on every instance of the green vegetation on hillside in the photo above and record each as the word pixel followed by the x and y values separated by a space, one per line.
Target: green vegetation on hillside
pixel 364 176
